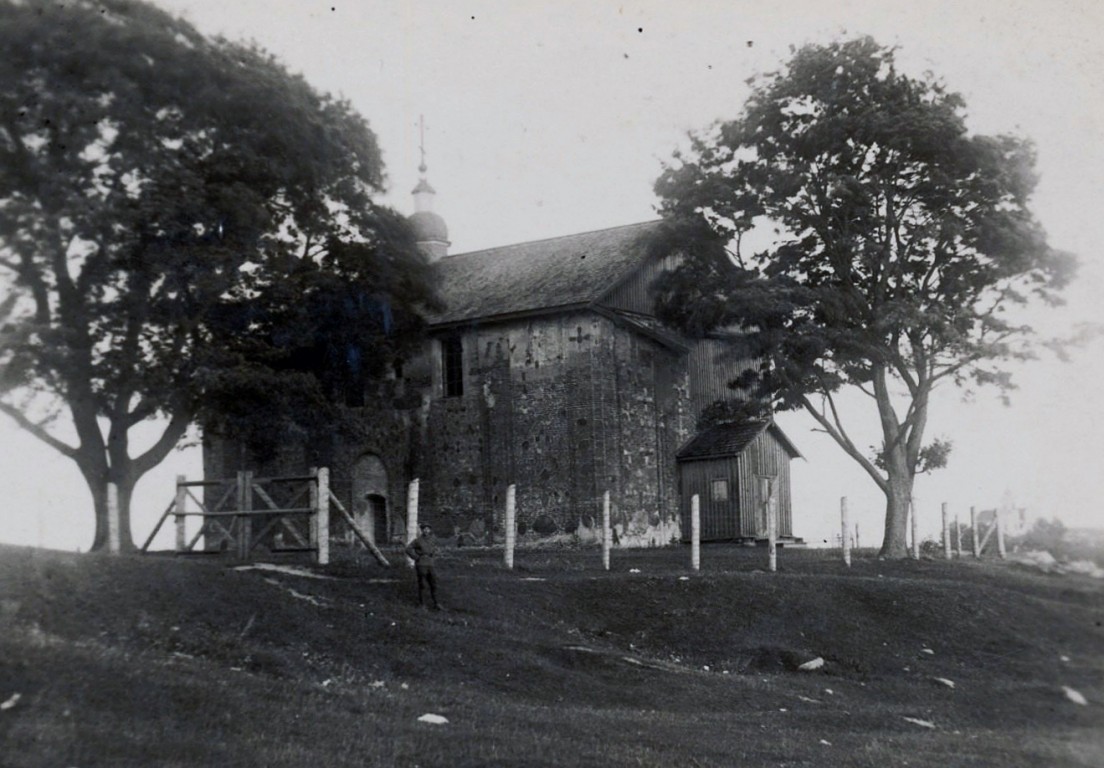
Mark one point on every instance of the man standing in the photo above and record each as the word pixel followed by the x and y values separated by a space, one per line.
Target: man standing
pixel 422 551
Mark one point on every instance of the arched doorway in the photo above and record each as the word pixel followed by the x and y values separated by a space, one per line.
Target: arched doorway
pixel 370 507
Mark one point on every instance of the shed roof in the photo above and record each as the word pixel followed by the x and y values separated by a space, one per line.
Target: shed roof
pixel 537 276
pixel 731 439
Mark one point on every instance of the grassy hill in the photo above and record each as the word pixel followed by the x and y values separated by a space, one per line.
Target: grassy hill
pixel 157 661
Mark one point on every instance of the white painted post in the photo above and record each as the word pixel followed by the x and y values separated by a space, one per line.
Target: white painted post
pixel 946 533
pixel 695 533
pixel 323 516
pixel 998 514
pixel 915 538
pixel 974 528
pixel 179 507
pixel 845 532
pixel 113 545
pixel 411 515
pixel 511 525
pixel 772 528
pixel 607 532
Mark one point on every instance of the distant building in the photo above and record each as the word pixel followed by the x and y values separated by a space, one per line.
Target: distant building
pixel 549 370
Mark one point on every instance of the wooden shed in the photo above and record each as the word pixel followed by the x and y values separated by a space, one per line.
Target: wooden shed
pixel 732 468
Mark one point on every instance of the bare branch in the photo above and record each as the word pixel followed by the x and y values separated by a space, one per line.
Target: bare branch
pixel 37 430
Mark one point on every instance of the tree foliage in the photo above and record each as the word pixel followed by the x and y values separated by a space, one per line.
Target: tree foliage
pixel 188 231
pixel 892 245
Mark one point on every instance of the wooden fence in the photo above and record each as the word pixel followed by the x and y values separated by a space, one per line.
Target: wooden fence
pixel 284 514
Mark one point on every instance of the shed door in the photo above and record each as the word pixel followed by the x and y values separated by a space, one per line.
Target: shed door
pixel 766 501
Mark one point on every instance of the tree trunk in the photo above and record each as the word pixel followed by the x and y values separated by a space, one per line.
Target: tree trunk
pixel 898 497
pixel 101 540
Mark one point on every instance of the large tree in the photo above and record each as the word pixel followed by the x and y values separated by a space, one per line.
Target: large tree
pixel 893 245
pixel 186 230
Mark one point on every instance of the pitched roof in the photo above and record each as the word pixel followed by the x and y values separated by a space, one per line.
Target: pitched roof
pixel 539 275
pixel 730 439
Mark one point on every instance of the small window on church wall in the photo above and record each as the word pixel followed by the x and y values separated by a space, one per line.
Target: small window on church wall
pixel 720 490
pixel 452 359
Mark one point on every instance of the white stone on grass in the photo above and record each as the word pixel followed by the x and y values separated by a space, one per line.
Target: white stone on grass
pixel 1074 696
pixel 812 664
pixel 944 681
pixel 11 701
pixel 921 723
pixel 433 719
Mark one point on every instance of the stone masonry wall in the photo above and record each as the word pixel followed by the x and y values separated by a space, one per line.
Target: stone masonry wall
pixel 564 407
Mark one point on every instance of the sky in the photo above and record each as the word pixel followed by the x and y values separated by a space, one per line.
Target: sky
pixel 551 118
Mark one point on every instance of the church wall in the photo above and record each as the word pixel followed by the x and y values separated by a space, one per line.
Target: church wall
pixel 565 407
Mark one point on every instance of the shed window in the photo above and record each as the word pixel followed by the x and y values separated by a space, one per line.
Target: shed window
pixel 452 360
pixel 720 490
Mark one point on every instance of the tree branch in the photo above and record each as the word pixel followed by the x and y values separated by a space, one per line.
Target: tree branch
pixel 175 429
pixel 37 430
pixel 845 443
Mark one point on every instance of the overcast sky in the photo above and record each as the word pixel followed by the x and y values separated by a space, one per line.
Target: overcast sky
pixel 550 118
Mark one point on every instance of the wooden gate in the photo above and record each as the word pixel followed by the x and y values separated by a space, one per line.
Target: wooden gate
pixel 286 514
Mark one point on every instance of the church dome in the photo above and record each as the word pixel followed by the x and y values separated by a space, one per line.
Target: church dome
pixel 428 226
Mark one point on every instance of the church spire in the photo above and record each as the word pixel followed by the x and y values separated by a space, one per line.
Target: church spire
pixel 429 228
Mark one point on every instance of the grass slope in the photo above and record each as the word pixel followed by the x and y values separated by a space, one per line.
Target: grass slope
pixel 156 661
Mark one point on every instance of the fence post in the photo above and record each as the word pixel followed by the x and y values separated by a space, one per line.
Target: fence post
pixel 113 518
pixel 915 539
pixel 695 532
pixel 323 516
pixel 179 507
pixel 857 544
pixel 511 525
pixel 958 536
pixel 845 532
pixel 772 528
pixel 245 496
pixel 946 533
pixel 974 529
pixel 312 490
pixel 999 518
pixel 411 515
pixel 607 533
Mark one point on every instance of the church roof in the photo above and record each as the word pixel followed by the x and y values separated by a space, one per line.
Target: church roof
pixel 730 439
pixel 537 276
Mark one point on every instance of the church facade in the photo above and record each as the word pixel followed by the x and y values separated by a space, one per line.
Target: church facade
pixel 548 370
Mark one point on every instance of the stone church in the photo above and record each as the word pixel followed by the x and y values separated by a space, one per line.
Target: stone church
pixel 548 370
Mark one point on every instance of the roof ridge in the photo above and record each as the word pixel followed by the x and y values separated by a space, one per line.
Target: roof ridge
pixel 548 239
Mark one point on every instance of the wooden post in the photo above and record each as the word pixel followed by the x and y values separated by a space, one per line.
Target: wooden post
pixel 857 545
pixel 607 532
pixel 411 515
pixel 974 528
pixel 313 492
pixel 695 533
pixel 998 515
pixel 958 536
pixel 946 533
pixel 915 538
pixel 113 545
pixel 179 507
pixel 245 497
pixel 323 512
pixel 845 532
pixel 511 525
pixel 772 527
